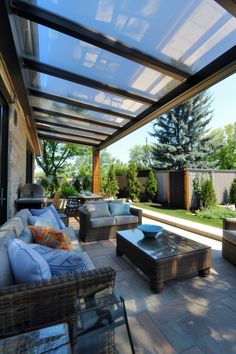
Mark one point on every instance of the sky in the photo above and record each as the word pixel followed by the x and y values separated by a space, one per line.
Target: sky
pixel 224 106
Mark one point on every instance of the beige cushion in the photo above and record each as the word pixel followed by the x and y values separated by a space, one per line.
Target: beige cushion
pixel 126 219
pixel 102 221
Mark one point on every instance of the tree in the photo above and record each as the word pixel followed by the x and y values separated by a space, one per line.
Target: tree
pixel 133 185
pixel 232 193
pixel 55 156
pixel 151 187
pixel 225 147
pixel 142 154
pixel 181 135
pixel 204 192
pixel 111 185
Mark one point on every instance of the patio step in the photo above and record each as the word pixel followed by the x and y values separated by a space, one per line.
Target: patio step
pixel 195 227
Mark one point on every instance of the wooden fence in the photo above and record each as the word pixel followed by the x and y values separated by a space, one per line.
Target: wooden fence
pixel 176 187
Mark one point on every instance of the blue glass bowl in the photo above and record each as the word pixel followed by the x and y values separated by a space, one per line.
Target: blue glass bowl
pixel 150 231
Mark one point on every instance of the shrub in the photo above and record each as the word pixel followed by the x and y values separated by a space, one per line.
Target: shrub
pixel 216 213
pixel 111 186
pixel 77 184
pixel 87 183
pixel 68 190
pixel 232 192
pixel 208 194
pixel 205 193
pixel 133 185
pixel 151 187
pixel 44 183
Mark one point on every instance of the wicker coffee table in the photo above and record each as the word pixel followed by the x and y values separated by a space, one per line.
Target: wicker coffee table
pixel 167 257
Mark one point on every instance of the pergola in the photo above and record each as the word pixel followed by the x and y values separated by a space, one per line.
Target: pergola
pixel 91 72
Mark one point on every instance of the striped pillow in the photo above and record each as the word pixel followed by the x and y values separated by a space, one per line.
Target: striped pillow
pixel 62 262
pixel 54 238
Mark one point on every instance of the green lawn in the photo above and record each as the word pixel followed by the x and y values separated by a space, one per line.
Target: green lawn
pixel 180 213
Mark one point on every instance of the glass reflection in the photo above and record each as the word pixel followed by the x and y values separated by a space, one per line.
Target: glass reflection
pixel 62 108
pixel 68 89
pixel 165 245
pixel 72 123
pixel 62 137
pixel 186 34
pixel 76 56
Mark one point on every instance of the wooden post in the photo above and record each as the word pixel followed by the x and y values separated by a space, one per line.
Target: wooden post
pixel 96 172
pixel 186 190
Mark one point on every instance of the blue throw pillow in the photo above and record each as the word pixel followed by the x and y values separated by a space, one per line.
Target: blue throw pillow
pixel 39 212
pixel 62 262
pixel 32 220
pixel 57 217
pixel 26 235
pixel 119 208
pixel 46 219
pixel 27 264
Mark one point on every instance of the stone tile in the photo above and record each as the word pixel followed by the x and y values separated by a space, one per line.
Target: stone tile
pixel 202 291
pixel 214 330
pixel 147 337
pixel 192 315
pixel 178 338
pixel 230 302
pixel 193 350
pixel 108 260
pixel 101 251
pixel 175 310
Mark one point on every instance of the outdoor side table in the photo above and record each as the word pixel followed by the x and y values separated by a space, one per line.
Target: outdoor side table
pixel 50 340
pixel 101 326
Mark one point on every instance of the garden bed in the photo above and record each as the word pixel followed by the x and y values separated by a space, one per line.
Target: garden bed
pixel 212 218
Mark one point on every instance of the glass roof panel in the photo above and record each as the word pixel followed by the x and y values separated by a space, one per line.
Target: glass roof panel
pixel 73 55
pixel 68 122
pixel 70 131
pixel 75 111
pixel 56 86
pixel 67 137
pixel 182 33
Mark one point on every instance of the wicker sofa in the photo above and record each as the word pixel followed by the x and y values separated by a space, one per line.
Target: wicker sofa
pixel 25 307
pixel 229 239
pixel 105 227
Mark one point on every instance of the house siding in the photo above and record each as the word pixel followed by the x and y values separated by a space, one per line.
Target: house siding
pixel 16 158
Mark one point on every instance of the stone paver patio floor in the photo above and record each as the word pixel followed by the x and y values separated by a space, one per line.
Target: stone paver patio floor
pixel 192 315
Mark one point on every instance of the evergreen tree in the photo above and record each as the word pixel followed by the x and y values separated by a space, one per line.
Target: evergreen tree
pixel 151 187
pixel 232 193
pixel 181 135
pixel 133 185
pixel 111 186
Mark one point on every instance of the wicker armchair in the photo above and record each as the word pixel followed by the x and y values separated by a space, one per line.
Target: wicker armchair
pixel 229 240
pixel 27 307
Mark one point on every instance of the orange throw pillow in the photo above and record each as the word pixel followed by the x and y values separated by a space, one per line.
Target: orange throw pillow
pixel 54 238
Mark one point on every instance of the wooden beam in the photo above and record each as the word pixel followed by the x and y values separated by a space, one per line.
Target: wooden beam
pixel 96 172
